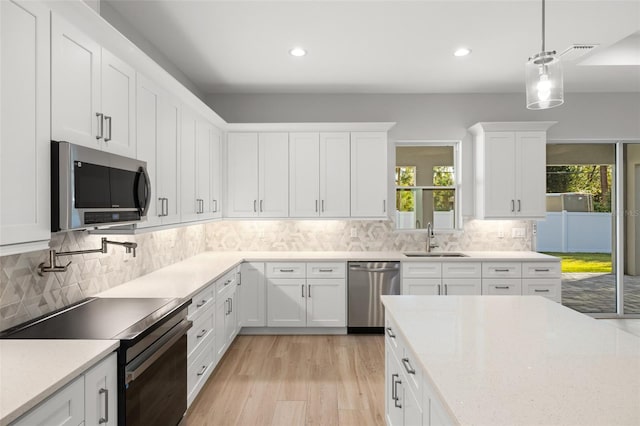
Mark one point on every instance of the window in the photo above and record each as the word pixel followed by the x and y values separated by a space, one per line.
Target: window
pixel 425 186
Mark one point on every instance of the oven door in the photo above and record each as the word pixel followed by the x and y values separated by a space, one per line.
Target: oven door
pixel 156 381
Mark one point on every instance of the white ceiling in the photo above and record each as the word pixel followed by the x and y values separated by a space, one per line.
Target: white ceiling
pixel 383 46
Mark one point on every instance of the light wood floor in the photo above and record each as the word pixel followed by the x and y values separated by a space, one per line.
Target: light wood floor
pixel 295 380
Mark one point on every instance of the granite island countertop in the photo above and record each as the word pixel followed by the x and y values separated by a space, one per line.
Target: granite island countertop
pixel 509 360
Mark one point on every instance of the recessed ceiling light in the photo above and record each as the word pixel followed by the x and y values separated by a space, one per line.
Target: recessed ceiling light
pixel 463 51
pixel 297 51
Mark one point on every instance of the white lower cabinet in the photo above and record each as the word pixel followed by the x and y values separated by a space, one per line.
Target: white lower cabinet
pixel 461 286
pixel 502 286
pixel 252 289
pixel 199 369
pixel 226 316
pixel 90 399
pixel 306 301
pixel 550 288
pixel 421 286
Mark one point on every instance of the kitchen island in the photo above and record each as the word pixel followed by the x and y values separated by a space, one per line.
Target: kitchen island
pixel 506 360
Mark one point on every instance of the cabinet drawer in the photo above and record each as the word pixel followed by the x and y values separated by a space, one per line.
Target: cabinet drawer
pixel 549 288
pixel 64 407
pixel 461 270
pixel 541 270
pixel 201 302
pixel 421 269
pixel 501 270
pixel 198 372
pixel 421 286
pixel 326 270
pixel 285 270
pixel 502 286
pixel 412 369
pixel 227 280
pixel 392 337
pixel 202 331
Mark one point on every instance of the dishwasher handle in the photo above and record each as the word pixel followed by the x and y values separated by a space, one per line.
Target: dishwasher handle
pixel 359 268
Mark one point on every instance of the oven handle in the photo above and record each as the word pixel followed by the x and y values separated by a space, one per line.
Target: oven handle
pixel 177 333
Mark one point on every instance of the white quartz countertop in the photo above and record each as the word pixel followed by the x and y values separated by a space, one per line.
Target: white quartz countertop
pixel 32 370
pixel 186 278
pixel 512 360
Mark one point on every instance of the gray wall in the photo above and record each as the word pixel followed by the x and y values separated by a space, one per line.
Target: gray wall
pixel 584 115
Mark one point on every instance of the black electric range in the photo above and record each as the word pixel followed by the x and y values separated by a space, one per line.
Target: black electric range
pixel 153 348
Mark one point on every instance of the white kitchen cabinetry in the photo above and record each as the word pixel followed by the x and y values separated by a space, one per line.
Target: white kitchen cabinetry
pixel 316 298
pixel 258 175
pixel 92 92
pixel 25 129
pixel 252 288
pixel 158 144
pixel 320 174
pixel 510 169
pixel 90 399
pixel 101 393
pixel 226 321
pixel 201 341
pixel 215 190
pixel 369 174
pixel 441 278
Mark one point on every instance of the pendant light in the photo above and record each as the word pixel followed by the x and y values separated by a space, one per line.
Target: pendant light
pixel 543 77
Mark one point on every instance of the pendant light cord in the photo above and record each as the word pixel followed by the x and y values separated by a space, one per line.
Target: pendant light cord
pixel 543 14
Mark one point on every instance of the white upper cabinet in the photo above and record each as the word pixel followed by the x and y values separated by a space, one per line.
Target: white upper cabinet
pixel 369 174
pixel 157 144
pixel 215 190
pixel 258 175
pixel 25 123
pixel 319 174
pixel 93 93
pixel 203 168
pixel 510 169
pixel 189 205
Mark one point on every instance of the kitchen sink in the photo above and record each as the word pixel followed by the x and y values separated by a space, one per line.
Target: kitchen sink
pixel 441 254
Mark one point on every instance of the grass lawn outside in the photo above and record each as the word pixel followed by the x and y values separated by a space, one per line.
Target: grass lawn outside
pixel 584 262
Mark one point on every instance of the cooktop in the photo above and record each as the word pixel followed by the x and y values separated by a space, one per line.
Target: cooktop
pixel 97 318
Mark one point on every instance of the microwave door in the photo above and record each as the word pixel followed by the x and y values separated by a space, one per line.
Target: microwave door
pixel 92 188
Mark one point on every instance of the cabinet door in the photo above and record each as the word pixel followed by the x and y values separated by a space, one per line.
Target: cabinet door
pixel 304 185
pixel 412 407
pixel 273 180
pixel 222 309
pixel 25 117
pixel 531 177
pixel 101 393
pixel 189 207
pixel 242 175
pixel 203 168
pixel 168 155
pixel 393 402
pixel 75 85
pixel 215 190
pixel 286 303
pixel 326 302
pixel 252 290
pixel 500 172
pixel 231 321
pixel 148 101
pixel 335 174
pixel 462 286
pixel 64 408
pixel 118 103
pixel 422 286
pixel 369 174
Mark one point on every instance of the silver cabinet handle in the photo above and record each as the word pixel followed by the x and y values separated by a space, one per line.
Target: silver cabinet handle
pixel 501 270
pixel 166 213
pixel 204 368
pixel 446 290
pixel 108 119
pixel 519 206
pixel 286 270
pixel 397 398
pixel 390 333
pixel 230 304
pixel 215 203
pixel 322 206
pixel 261 202
pixel 503 287
pixel 104 419
pixel 393 386
pixel 513 206
pixel 316 206
pixel 100 125
pixel 302 290
pixel 226 283
pixel 202 302
pixel 542 270
pixel 309 291
pixel 255 208
pixel 541 291
pixel 239 278
pixel 161 206
pixel 407 366
pixel 384 206
pixel 438 289
pixel 325 270
pixel 202 333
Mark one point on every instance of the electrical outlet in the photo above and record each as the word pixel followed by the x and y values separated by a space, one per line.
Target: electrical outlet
pixel 354 232
pixel 518 232
pixel 500 233
pixel 534 231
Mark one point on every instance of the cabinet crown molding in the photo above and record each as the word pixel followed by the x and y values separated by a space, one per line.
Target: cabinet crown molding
pixel 510 126
pixel 310 127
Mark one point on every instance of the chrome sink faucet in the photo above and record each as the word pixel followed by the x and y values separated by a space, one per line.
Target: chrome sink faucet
pixel 430 235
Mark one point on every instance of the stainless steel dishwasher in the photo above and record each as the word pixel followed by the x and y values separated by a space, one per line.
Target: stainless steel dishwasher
pixel 366 282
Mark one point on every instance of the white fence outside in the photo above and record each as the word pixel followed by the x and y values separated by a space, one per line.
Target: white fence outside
pixel 575 232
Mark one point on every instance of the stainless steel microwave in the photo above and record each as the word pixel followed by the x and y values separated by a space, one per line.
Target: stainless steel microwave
pixel 91 188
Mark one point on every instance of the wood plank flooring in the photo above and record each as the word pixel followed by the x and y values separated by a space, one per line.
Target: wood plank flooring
pixel 295 380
